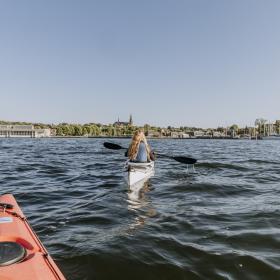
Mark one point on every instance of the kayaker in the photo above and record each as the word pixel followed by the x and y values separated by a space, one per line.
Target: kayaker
pixel 139 150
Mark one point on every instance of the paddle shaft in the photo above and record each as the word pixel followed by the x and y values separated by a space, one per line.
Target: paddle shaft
pixel 181 159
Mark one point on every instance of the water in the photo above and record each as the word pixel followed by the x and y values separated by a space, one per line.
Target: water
pixel 219 221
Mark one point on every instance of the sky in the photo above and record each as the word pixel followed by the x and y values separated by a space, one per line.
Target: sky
pixel 167 62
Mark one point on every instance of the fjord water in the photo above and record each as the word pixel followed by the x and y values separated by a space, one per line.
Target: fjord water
pixel 219 221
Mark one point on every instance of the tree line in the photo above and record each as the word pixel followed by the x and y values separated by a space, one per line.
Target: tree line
pixel 65 129
pixel 89 129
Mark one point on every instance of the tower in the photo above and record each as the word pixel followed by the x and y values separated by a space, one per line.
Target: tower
pixel 130 119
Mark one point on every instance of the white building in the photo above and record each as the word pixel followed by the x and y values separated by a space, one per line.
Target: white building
pixel 7 131
pixel 199 133
pixel 184 135
pixel 218 134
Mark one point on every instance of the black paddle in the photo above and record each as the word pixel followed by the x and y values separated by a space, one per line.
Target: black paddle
pixel 113 146
pixel 181 159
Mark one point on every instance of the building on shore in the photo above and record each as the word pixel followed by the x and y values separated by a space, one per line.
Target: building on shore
pixel 119 123
pixel 179 134
pixel 7 131
pixel 269 129
pixel 218 134
pixel 199 133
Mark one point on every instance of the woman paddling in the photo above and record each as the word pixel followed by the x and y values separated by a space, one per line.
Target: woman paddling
pixel 139 150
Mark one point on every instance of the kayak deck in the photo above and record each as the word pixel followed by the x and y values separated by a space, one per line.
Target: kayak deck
pixel 136 172
pixel 24 256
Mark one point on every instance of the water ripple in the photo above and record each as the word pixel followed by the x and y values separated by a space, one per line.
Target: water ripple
pixel 219 220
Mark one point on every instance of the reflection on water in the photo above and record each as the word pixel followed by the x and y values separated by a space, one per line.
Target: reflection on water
pixel 136 194
pixel 140 204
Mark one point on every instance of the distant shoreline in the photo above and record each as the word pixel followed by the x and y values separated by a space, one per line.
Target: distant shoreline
pixel 122 130
pixel 129 137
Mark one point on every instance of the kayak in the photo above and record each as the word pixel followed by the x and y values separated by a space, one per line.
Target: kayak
pixel 22 255
pixel 136 172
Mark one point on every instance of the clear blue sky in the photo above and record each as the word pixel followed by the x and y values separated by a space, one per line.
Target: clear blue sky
pixel 175 62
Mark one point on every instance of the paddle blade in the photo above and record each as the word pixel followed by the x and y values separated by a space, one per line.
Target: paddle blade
pixel 181 159
pixel 185 160
pixel 112 146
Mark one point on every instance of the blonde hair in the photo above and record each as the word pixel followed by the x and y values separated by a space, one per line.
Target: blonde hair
pixel 137 138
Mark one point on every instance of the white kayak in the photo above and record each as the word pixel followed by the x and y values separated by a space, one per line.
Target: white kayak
pixel 136 172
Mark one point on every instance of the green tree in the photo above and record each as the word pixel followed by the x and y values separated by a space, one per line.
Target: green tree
pixel 59 131
pixel 78 130
pixel 146 129
pixel 66 129
pixel 110 130
pixel 86 130
pixel 234 129
pixel 277 126
pixel 97 130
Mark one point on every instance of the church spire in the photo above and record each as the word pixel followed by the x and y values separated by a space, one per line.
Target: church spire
pixel 130 119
